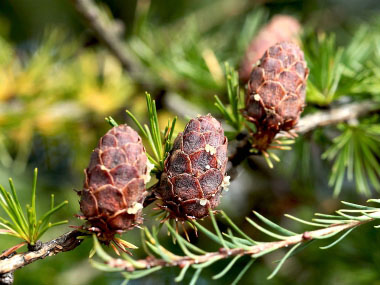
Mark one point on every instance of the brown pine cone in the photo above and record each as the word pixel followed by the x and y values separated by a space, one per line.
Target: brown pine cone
pixel 276 92
pixel 114 189
pixel 281 28
pixel 194 174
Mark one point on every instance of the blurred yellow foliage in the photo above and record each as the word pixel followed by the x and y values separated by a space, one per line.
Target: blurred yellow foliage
pixel 57 87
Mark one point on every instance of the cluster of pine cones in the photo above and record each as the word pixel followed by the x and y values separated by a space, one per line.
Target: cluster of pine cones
pixel 191 184
pixel 195 169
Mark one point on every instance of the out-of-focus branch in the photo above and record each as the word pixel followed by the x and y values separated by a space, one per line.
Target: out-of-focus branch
pixel 65 242
pixel 105 33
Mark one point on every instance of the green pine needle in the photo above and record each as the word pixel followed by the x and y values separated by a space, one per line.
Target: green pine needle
pixel 356 154
pixel 111 121
pixel 231 113
pixel 274 226
pixel 325 63
pixel 182 274
pixel 243 271
pixel 281 263
pixel 159 142
pixel 26 227
pixel 338 240
pixel 227 268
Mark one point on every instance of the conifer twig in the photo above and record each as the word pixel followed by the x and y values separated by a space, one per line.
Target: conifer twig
pixel 104 32
pixel 253 251
pixel 69 241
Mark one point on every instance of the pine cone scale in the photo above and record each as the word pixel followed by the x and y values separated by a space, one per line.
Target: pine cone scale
pixel 186 187
pixel 123 173
pixel 273 93
pixel 179 163
pixel 108 141
pixel 210 182
pixel 91 208
pixel 193 141
pixel 98 177
pixel 110 199
pixel 112 157
pixel 201 161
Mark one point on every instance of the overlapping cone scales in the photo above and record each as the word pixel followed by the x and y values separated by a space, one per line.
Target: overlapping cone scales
pixel 276 91
pixel 114 189
pixel 280 28
pixel 195 170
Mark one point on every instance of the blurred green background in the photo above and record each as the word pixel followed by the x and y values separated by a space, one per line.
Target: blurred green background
pixel 57 83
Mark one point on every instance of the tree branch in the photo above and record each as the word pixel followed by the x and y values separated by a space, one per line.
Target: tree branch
pixel 223 253
pixel 337 115
pixel 65 242
pixel 105 33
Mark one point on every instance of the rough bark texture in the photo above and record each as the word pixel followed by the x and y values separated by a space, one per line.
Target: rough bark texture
pixel 114 188
pixel 276 92
pixel 66 242
pixel 194 173
pixel 281 28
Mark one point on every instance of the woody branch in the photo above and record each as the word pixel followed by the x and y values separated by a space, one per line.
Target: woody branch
pixel 63 243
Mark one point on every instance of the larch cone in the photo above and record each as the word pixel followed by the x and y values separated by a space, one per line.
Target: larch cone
pixel 275 95
pixel 194 174
pixel 114 189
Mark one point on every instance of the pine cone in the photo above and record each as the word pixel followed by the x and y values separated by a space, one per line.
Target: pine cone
pixel 281 28
pixel 194 174
pixel 114 189
pixel 276 92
